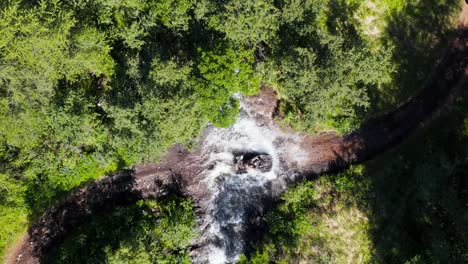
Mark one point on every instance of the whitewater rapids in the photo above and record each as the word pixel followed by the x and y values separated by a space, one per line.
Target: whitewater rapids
pixel 235 199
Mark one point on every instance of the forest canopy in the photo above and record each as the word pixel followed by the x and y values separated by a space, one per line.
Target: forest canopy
pixel 88 87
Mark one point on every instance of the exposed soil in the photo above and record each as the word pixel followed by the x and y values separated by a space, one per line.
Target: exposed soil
pixel 464 16
pixel 180 171
pixel 19 246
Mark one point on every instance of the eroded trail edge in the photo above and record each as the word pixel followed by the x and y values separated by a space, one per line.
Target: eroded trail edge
pixel 217 174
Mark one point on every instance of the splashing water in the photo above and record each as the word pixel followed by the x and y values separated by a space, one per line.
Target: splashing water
pixel 236 198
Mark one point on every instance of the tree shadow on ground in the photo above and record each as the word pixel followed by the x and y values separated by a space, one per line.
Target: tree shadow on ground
pixel 419 190
pixel 419 195
pixel 419 33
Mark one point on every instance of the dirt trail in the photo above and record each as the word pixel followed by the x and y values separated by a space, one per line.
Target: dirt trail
pixel 180 170
pixel 17 248
pixel 464 16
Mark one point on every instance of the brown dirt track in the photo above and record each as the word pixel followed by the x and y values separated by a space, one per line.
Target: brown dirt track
pixel 178 173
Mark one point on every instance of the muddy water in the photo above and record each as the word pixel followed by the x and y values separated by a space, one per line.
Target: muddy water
pixel 238 196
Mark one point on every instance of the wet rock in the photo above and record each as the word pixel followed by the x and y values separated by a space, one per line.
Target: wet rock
pixel 262 163
pixel 262 106
pixel 258 161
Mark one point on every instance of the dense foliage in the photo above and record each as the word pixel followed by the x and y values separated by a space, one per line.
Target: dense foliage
pixel 92 86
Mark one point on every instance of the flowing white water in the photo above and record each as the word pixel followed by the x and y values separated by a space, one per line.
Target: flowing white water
pixel 235 197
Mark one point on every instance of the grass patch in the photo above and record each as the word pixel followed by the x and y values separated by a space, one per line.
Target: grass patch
pixel 322 221
pixel 14 224
pixel 13 213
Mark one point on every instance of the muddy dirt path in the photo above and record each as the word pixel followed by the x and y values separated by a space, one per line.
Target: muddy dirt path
pixel 180 170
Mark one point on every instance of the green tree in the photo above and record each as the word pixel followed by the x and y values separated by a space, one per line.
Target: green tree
pixel 225 72
pixel 247 23
pixel 326 69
